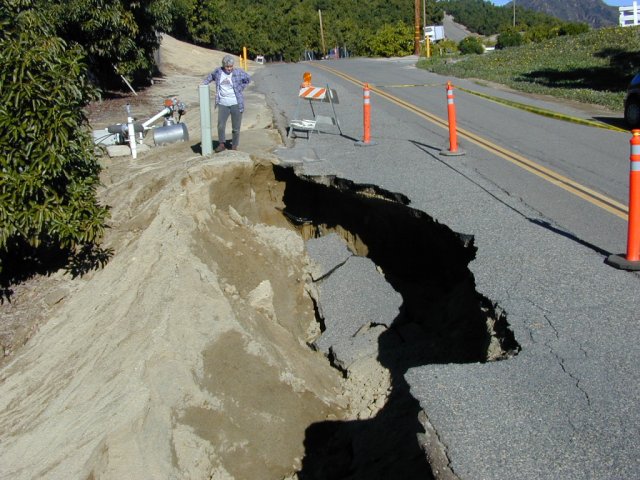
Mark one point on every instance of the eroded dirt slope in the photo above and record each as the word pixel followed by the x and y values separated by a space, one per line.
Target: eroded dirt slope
pixel 186 356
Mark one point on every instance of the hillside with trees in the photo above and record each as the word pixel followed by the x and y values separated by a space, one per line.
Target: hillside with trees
pixel 595 13
pixel 481 16
pixel 283 29
pixel 56 52
pixel 119 38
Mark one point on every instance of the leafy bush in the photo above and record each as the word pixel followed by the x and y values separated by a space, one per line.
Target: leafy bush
pixel 509 38
pixel 444 48
pixel 471 45
pixel 540 33
pixel 393 40
pixel 573 29
pixel 48 172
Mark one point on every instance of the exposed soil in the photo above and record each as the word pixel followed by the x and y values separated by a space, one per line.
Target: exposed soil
pixel 187 355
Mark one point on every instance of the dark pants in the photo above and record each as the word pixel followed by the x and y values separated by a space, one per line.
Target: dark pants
pixel 236 120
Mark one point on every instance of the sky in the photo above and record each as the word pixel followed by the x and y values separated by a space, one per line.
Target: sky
pixel 614 3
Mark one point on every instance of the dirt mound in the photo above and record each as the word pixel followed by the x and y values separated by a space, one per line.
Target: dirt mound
pixel 186 356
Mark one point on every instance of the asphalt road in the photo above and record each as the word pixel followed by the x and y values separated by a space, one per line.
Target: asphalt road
pixel 454 31
pixel 593 157
pixel 566 405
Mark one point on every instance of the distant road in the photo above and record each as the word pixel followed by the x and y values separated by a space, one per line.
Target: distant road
pixel 575 176
pixel 454 31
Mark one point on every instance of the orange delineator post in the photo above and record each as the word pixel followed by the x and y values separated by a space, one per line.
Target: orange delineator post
pixel 451 110
pixel 633 236
pixel 631 261
pixel 366 111
pixel 366 117
pixel 453 129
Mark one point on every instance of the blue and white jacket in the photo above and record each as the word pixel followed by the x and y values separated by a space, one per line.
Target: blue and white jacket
pixel 239 79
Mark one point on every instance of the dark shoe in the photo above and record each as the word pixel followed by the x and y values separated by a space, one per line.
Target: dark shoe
pixel 220 148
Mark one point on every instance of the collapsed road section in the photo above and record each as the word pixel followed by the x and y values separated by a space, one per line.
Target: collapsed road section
pixel 391 284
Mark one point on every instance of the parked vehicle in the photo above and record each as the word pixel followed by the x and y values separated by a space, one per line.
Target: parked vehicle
pixel 632 103
pixel 434 32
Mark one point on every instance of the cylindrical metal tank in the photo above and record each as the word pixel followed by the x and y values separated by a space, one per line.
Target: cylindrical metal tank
pixel 170 134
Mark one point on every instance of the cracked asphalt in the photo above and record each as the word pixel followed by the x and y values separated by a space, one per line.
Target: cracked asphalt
pixel 566 407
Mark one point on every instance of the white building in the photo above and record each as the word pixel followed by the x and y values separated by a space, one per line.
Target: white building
pixel 629 16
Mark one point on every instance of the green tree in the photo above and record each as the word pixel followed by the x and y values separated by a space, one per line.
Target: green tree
pixel 180 13
pixel 118 36
pixel 48 172
pixel 204 25
pixel 283 29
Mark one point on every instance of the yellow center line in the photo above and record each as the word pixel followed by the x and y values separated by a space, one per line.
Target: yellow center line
pixel 598 199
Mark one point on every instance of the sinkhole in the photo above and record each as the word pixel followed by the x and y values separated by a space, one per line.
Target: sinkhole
pixel 442 319
pixel 424 260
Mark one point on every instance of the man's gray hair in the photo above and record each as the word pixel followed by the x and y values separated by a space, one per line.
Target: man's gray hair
pixel 227 60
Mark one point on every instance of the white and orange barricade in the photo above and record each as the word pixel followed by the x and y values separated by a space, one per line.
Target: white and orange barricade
pixel 314 95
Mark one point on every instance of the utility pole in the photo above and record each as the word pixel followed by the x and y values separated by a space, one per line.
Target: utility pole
pixel 324 50
pixel 416 42
pixel 514 13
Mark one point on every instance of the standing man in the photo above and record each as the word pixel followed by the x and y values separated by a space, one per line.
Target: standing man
pixel 230 82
